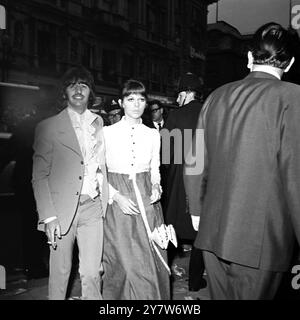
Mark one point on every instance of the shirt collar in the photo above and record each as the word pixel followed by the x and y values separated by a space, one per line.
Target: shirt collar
pixel 267 69
pixel 125 122
pixel 160 122
pixel 87 116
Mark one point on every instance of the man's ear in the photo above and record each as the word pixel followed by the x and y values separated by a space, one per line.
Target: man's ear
pixel 290 65
pixel 250 61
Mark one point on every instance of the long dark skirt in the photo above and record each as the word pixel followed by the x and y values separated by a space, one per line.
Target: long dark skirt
pixel 132 269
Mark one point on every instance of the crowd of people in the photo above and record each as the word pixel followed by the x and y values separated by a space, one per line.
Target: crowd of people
pixel 106 186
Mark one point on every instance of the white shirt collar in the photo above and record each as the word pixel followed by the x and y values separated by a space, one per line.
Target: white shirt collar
pixel 87 116
pixel 125 122
pixel 268 69
pixel 157 123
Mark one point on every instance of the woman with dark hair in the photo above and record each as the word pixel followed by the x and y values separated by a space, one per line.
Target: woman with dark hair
pixel 135 265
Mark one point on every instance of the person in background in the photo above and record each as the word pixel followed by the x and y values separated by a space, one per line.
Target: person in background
pixel 114 112
pixel 156 111
pixel 155 118
pixel 135 265
pixel 176 209
pixel 70 186
pixel 247 196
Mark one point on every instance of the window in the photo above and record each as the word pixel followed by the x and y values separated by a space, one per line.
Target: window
pixel 142 67
pixel 87 3
pixel 109 63
pixel 157 21
pixel 74 50
pixel 46 49
pixel 87 55
pixel 154 71
pixel 127 65
pixel 63 4
pixel 133 11
pixel 19 35
pixel 51 2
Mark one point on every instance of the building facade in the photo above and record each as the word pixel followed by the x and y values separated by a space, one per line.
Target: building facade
pixel 226 55
pixel 150 40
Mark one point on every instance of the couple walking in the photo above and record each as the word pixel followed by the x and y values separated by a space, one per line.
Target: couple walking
pixel 110 214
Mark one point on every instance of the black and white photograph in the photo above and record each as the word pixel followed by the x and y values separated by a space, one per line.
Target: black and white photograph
pixel 150 151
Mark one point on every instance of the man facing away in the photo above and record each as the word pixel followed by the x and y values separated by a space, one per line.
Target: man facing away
pixel 247 196
pixel 70 186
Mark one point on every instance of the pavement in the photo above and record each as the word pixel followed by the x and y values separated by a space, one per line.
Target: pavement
pixel 19 288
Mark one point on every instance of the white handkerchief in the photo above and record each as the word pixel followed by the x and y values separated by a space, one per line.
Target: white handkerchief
pixel 172 235
pixel 163 234
pixel 159 236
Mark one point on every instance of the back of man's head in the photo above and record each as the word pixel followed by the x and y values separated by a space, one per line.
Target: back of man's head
pixel 272 45
pixel 190 82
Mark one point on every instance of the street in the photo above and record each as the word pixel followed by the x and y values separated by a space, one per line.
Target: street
pixel 18 288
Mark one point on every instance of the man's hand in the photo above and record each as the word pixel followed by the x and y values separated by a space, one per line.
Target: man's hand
pixel 195 222
pixel 52 230
pixel 156 193
pixel 125 204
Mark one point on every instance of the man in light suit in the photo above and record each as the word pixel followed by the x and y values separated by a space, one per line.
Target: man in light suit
pixel 70 186
pixel 247 197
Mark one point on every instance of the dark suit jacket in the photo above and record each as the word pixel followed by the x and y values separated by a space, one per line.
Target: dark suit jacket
pixel 149 123
pixel 248 196
pixel 175 205
pixel 58 169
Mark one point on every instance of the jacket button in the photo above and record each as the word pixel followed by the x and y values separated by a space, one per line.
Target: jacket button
pixel 80 177
pixel 77 193
pixel 82 162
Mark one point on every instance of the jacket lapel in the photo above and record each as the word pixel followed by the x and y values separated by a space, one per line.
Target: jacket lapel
pixel 66 133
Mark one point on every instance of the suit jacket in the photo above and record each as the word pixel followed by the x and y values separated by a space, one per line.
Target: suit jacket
pixel 58 169
pixel 248 196
pixel 175 204
pixel 149 123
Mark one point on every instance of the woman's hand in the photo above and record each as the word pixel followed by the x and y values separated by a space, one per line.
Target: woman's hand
pixel 156 193
pixel 125 204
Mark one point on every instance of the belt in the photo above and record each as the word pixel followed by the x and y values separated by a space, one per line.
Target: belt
pixel 84 199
